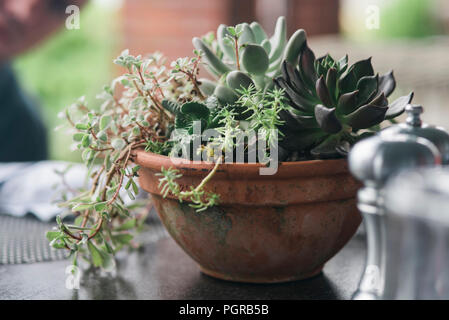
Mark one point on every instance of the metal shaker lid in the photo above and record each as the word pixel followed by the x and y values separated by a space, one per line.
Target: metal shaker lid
pixel 414 126
pixel 375 159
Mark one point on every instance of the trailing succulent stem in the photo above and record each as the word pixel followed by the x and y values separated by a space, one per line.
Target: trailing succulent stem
pixel 108 137
pixel 197 196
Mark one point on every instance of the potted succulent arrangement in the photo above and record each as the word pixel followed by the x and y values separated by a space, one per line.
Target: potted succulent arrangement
pixel 247 171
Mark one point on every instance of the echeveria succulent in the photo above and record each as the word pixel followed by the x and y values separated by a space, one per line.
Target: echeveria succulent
pixel 331 102
pixel 243 55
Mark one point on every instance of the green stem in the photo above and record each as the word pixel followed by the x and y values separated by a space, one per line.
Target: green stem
pixel 209 176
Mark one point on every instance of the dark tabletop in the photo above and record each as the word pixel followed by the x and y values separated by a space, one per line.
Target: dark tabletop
pixel 161 270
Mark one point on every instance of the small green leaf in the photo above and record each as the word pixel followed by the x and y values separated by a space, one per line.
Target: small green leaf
pixel 102 136
pixel 122 238
pixel 135 169
pixel 97 257
pixel 57 244
pixel 108 248
pixel 81 126
pixel 51 235
pixel 195 109
pixel 171 106
pixel 136 131
pixel 130 195
pixel 85 142
pixel 100 206
pixel 82 206
pixel 78 136
pixel 118 143
pixel 78 220
pixel 135 187
pixel 232 31
pixel 105 121
pixel 129 224
pixel 137 102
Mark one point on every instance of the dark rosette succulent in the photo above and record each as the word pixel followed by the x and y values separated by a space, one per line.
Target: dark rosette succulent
pixel 334 105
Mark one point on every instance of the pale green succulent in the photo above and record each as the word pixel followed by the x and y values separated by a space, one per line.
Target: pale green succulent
pixel 244 55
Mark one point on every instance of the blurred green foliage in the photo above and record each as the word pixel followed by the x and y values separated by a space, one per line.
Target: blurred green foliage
pixel 408 19
pixel 404 19
pixel 70 64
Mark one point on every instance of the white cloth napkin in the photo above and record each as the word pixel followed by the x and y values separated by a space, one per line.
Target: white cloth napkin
pixel 33 187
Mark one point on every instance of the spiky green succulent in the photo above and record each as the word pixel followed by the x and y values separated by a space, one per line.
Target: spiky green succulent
pixel 332 104
pixel 243 55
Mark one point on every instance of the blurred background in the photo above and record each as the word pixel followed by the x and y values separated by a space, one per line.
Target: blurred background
pixel 409 36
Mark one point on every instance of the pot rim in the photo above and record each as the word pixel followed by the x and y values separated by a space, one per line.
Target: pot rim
pixel 243 170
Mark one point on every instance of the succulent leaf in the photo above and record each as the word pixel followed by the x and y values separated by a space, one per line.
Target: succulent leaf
pixel 343 148
pixel 387 83
pixel 347 83
pixel 207 86
pixel 247 35
pixel 292 120
pixel 213 61
pixel 360 69
pixel 294 46
pixel 342 65
pixel 302 139
pixel 266 45
pixel 225 95
pixel 183 121
pixel 366 116
pixel 347 102
pixel 380 100
pixel 225 43
pixel 212 103
pixel 297 101
pixel 331 83
pixel 327 149
pixel 327 119
pixel 259 33
pixel 398 106
pixel 171 106
pixel 255 59
pixel 323 92
pixel 367 87
pixel 307 67
pixel 279 39
pixel 292 76
pixel 363 68
pixel 195 110
pixel 238 79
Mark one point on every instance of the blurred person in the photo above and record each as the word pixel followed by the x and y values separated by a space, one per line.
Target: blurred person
pixel 24 23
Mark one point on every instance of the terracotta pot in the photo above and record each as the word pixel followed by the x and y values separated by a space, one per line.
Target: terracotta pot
pixel 266 229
